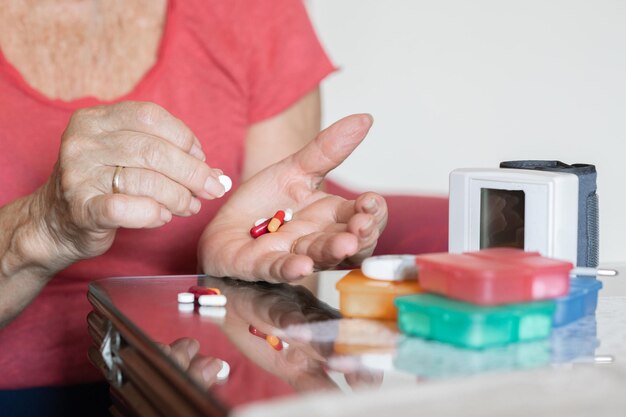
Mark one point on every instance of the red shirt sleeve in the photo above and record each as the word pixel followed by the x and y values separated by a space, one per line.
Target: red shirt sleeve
pixel 286 60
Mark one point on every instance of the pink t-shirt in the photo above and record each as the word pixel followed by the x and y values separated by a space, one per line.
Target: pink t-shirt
pixel 222 65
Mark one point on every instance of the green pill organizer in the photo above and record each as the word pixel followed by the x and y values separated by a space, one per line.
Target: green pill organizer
pixel 472 326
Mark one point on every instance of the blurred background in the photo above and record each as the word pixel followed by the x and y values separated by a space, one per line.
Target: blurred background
pixel 459 84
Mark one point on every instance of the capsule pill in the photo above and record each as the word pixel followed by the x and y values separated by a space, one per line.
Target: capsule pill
pixel 276 221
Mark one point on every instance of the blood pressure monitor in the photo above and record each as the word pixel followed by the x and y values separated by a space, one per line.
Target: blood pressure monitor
pixel 543 206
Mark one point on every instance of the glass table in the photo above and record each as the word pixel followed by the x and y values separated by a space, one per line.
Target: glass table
pixel 281 341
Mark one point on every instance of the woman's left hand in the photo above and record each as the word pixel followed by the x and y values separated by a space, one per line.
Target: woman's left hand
pixel 325 231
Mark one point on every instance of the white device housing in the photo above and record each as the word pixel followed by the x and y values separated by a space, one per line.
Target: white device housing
pixel 550 213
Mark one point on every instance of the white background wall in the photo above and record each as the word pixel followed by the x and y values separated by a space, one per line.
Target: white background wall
pixel 457 83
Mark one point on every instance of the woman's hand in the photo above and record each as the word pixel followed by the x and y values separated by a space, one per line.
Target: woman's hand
pixel 325 230
pixel 163 174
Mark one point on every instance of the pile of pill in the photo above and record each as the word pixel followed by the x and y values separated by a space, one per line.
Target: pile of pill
pixel 271 225
pixel 204 296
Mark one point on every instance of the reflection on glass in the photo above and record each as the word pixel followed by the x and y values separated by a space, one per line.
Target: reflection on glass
pixel 501 218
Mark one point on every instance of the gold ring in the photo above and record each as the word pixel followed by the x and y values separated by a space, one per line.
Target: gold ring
pixel 115 185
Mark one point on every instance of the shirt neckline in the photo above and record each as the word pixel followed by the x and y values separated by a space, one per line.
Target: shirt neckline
pixel 88 101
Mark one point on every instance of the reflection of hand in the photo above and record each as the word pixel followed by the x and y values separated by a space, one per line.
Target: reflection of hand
pixel 202 369
pixel 162 175
pixel 325 230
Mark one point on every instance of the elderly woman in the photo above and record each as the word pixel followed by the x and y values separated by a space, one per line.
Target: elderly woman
pixel 119 121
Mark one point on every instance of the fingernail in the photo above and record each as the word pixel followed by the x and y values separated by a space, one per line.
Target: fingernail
pixel 370 205
pixel 195 205
pixel 214 187
pixel 192 349
pixel 166 215
pixel 197 152
pixel 226 182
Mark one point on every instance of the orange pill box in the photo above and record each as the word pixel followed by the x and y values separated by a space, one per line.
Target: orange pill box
pixel 364 297
pixel 494 276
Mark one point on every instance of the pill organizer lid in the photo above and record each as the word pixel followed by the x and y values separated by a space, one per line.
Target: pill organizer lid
pixel 492 263
pixel 431 303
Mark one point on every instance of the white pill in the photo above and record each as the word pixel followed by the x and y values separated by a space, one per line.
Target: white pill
pixel 212 300
pixel 390 267
pixel 212 312
pixel 226 182
pixel 185 297
pixel 288 215
pixel 224 372
pixel 258 222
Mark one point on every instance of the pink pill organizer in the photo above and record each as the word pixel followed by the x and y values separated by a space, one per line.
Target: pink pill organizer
pixel 494 276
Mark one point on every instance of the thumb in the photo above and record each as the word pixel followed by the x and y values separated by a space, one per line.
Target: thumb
pixel 333 145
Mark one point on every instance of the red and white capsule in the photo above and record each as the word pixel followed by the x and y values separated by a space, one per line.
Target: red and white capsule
pixel 276 221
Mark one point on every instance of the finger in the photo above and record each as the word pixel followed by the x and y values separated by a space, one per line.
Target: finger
pixel 183 350
pixel 375 205
pixel 152 119
pixel 204 370
pixel 139 150
pixel 332 146
pixel 142 182
pixel 111 211
pixel 327 249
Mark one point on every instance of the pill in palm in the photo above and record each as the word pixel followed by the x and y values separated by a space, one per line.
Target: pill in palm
pixel 277 220
pixel 288 215
pixel 259 230
pixel 260 221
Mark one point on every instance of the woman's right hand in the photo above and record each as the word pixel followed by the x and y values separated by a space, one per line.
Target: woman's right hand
pixel 163 174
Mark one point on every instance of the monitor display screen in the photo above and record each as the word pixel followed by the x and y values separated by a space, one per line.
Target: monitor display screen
pixel 501 218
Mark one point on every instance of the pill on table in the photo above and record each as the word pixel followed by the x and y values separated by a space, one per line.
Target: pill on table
pixel 226 182
pixel 212 300
pixel 276 221
pixel 390 267
pixel 185 297
pixel 259 230
pixel 224 372
pixel 197 291
pixel 288 215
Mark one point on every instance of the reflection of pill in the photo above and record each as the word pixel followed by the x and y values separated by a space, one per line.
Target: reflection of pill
pixel 224 372
pixel 274 342
pixel 212 312
pixel 185 297
pixel 288 215
pixel 253 330
pixel 185 307
pixel 390 267
pixel 212 300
